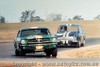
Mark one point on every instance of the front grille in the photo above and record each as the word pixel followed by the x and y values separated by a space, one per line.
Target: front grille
pixel 39 40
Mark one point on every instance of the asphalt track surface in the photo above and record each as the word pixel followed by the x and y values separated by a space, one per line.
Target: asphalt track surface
pixel 7 54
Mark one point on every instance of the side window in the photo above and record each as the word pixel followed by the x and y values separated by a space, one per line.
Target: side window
pixel 49 32
pixel 81 30
pixel 18 34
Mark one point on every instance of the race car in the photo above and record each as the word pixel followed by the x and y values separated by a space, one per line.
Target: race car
pixel 70 35
pixel 35 39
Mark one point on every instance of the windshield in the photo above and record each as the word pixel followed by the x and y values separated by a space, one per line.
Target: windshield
pixel 64 28
pixel 32 32
pixel 73 28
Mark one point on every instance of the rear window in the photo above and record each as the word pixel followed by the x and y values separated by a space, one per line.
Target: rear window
pixel 62 29
pixel 73 28
pixel 67 28
pixel 72 33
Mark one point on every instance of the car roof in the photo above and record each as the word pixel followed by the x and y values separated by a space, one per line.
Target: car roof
pixel 33 28
pixel 70 25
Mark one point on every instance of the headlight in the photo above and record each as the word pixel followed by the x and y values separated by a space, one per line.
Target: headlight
pixel 54 40
pixel 23 41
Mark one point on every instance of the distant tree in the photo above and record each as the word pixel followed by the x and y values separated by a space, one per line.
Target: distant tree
pixel 2 19
pixel 97 17
pixel 77 17
pixel 69 19
pixel 37 18
pixel 28 16
pixel 54 17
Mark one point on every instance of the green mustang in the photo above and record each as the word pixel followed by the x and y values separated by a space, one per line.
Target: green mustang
pixel 35 39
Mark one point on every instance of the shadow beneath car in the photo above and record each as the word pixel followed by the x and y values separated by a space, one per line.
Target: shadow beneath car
pixel 32 55
pixel 66 47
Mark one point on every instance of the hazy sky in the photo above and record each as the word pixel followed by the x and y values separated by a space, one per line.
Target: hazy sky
pixel 11 9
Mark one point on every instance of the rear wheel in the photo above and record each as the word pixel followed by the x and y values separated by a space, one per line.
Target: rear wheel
pixel 78 45
pixel 83 44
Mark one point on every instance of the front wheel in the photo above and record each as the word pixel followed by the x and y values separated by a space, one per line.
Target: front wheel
pixel 54 52
pixel 19 53
pixel 50 52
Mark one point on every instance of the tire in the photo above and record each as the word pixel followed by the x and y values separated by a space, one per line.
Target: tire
pixel 48 52
pixel 78 45
pixel 19 53
pixel 83 44
pixel 54 52
pixel 23 54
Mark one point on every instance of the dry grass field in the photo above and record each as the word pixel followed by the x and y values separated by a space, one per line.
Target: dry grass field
pixel 9 30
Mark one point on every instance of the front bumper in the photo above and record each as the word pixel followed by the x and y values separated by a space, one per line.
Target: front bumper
pixel 36 47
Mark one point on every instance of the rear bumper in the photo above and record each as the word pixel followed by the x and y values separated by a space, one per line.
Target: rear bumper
pixel 67 41
pixel 70 43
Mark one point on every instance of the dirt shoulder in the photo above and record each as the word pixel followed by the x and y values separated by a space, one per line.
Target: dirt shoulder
pixel 85 52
